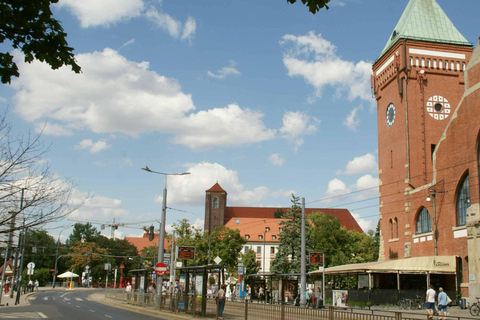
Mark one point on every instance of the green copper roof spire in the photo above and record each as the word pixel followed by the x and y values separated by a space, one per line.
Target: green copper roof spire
pixel 424 20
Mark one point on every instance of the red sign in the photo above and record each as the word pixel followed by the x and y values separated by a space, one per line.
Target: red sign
pixel 316 257
pixel 160 269
pixel 185 253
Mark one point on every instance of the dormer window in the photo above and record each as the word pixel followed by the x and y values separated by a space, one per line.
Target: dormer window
pixel 215 203
pixel 274 237
pixel 247 236
pixel 260 237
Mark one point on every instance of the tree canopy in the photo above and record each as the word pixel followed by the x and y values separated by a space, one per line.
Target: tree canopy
pixel 29 27
pixel 313 5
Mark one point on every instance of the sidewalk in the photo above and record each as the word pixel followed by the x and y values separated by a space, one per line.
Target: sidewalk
pixel 10 302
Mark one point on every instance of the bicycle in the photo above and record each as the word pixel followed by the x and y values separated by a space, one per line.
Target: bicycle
pixel 475 307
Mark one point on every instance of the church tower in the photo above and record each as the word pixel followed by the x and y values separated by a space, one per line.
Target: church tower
pixel 215 208
pixel 418 81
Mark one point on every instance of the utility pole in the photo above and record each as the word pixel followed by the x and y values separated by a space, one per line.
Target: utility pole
pixel 303 271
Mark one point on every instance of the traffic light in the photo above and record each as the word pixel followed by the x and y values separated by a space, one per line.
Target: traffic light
pixel 150 233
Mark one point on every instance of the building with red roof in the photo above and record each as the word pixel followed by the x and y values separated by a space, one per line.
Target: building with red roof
pixel 258 224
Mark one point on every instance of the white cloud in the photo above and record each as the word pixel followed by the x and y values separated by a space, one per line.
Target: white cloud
pixel 336 189
pixel 115 95
pixel 368 185
pixel 296 125
pixel 93 147
pixel 97 208
pixel 276 160
pixel 126 162
pixel 314 58
pixel 129 42
pixel 190 189
pixel 363 223
pixel 174 27
pixel 225 71
pixel 92 13
pixel 363 164
pixel 222 127
pixel 352 120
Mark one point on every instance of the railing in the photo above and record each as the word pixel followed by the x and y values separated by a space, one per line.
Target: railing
pixel 244 310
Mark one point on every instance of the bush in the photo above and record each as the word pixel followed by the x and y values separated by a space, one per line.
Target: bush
pixel 42 275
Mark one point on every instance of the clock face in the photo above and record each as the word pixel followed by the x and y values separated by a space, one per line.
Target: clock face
pixel 438 107
pixel 390 114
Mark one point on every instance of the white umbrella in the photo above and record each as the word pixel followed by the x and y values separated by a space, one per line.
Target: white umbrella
pixel 68 274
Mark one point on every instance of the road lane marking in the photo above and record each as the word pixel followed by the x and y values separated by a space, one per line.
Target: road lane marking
pixel 78 299
pixel 63 295
pixel 108 316
pixel 32 298
pixel 41 314
pixel 23 315
pixel 91 310
pixel 45 298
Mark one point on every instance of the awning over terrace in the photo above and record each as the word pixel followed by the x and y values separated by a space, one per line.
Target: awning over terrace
pixel 431 264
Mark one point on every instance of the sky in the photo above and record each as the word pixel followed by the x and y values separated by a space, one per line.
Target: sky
pixel 262 97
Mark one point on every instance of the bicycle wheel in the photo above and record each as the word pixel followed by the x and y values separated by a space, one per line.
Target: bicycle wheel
pixel 475 309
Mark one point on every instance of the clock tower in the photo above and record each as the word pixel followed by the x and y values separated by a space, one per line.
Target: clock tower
pixel 215 208
pixel 418 81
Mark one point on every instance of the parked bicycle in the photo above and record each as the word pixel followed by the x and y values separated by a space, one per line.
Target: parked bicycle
pixel 415 304
pixel 475 307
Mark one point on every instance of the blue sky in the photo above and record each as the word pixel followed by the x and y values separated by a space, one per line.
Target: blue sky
pixel 261 96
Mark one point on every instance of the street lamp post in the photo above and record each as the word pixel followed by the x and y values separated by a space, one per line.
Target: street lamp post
pixel 433 193
pixel 161 238
pixel 56 258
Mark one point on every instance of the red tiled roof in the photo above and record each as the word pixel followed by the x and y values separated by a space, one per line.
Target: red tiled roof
pixel 344 216
pixel 216 188
pixel 143 242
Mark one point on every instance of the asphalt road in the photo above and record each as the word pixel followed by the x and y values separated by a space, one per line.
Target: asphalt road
pixel 72 305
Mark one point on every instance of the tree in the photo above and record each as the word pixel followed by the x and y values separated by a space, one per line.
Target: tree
pixel 339 245
pixel 86 254
pixel 83 231
pixel 313 5
pixel 30 195
pixel 29 26
pixel 40 249
pixel 250 265
pixel 288 258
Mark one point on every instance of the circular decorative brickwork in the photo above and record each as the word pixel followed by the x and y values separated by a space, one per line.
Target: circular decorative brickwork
pixel 438 107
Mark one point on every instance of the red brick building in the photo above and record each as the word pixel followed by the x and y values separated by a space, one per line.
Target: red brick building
pixel 426 83
pixel 258 224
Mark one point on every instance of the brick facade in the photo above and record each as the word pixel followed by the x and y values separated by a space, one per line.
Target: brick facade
pixel 429 151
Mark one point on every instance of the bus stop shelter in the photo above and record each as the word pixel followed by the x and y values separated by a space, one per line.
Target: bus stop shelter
pixel 192 287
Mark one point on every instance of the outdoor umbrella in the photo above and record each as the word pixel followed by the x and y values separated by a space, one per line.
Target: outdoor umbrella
pixel 68 274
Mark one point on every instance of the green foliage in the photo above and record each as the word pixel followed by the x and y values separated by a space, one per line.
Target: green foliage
pixel 41 249
pixel 250 265
pixel 30 27
pixel 83 231
pixel 227 244
pixel 279 214
pixel 43 276
pixel 313 5
pixel 339 245
pixel 287 260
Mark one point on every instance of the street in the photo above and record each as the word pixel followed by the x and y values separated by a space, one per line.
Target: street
pixel 66 304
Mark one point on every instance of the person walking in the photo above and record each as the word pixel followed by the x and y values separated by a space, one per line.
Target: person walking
pixel 221 301
pixel 430 301
pixel 442 304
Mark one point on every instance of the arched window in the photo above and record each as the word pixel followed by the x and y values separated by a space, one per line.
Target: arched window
pixel 215 203
pixel 391 229
pixel 463 201
pixel 424 223
pixel 395 223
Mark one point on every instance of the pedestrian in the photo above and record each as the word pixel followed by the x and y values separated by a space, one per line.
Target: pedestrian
pixel 7 286
pixel 35 285
pixel 30 286
pixel 261 293
pixel 100 282
pixel 430 301
pixel 442 304
pixel 128 290
pixel 221 301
